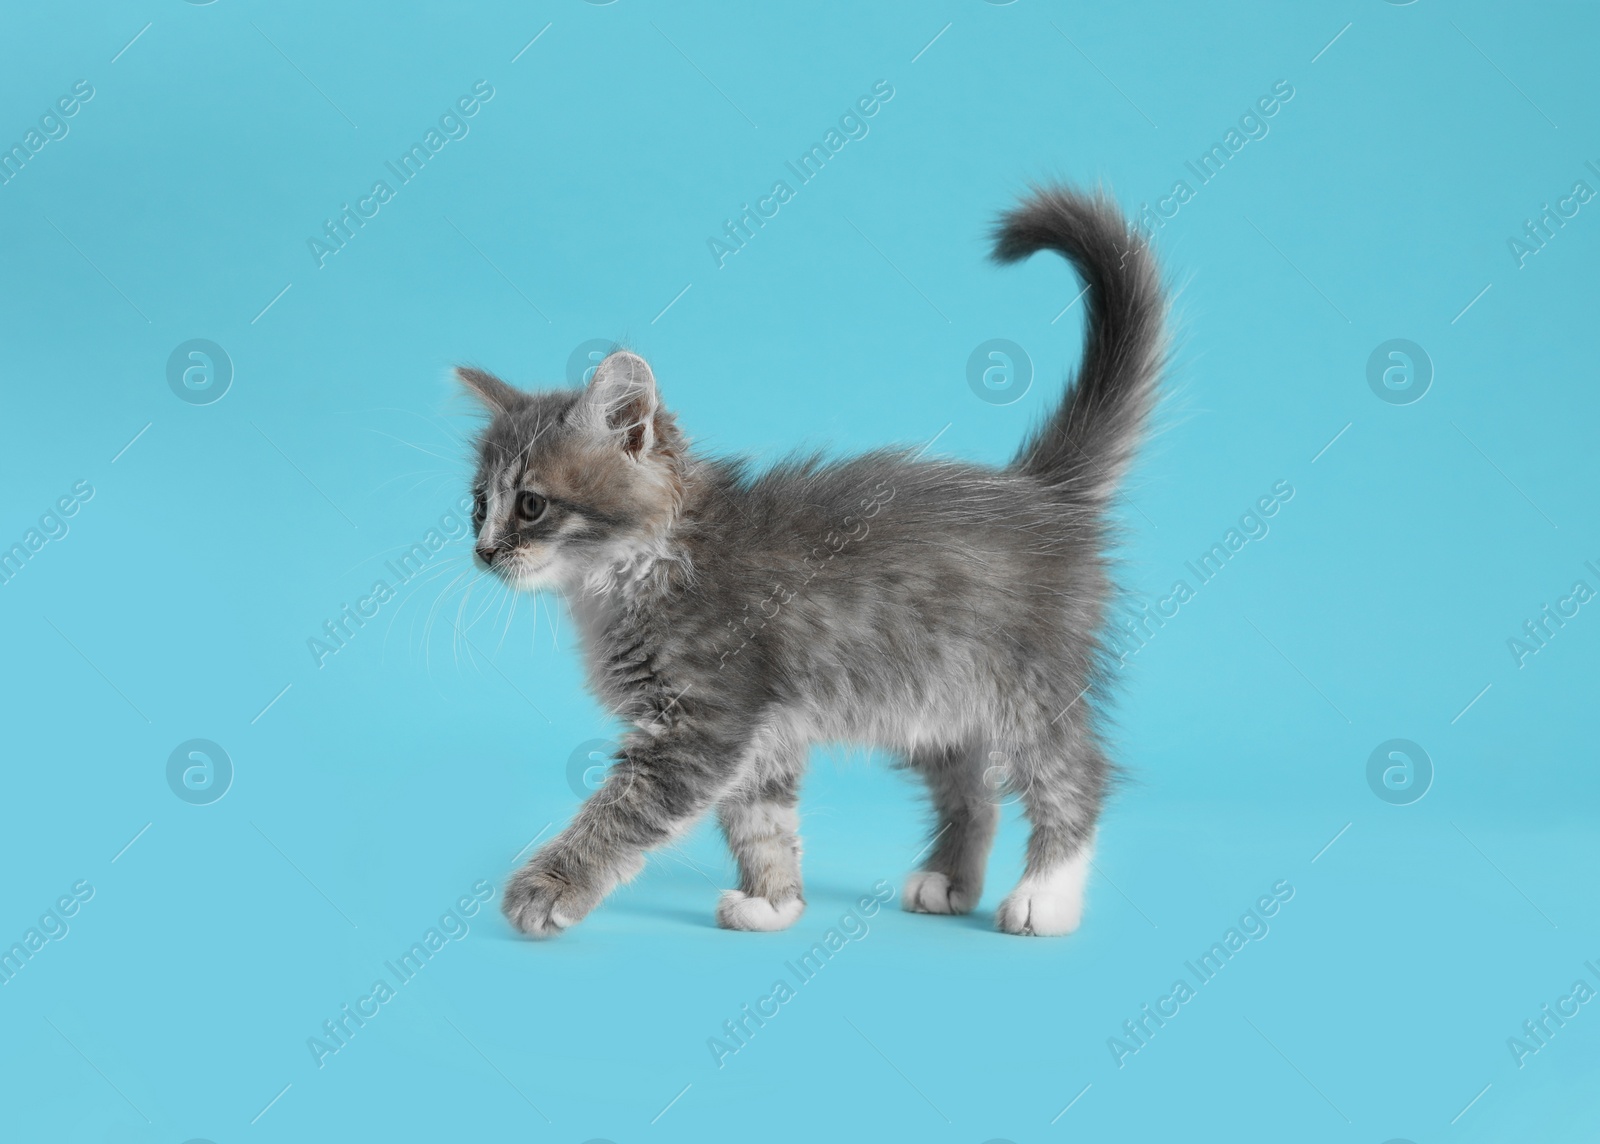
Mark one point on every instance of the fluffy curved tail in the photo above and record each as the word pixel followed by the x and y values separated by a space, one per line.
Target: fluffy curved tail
pixel 1087 443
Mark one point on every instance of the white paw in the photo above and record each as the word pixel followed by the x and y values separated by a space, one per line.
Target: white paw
pixel 1048 903
pixel 1039 912
pixel 740 911
pixel 930 892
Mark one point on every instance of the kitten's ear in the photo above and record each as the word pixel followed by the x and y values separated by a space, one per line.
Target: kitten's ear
pixel 489 389
pixel 621 402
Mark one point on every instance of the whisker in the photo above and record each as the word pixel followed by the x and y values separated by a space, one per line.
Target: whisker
pixel 433 611
pixel 509 620
pixel 427 474
pixel 408 444
pixel 430 575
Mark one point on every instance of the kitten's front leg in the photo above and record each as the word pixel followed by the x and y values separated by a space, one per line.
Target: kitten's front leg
pixel 557 888
pixel 759 821
pixel 655 790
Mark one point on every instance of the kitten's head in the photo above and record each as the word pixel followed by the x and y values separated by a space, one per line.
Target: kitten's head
pixel 573 484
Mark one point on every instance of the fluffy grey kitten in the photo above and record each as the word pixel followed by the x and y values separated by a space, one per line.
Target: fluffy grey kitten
pixel 944 611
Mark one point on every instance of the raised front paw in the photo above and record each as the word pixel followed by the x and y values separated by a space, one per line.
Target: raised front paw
pixel 546 896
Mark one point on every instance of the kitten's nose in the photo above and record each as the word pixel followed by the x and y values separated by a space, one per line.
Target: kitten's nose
pixel 486 552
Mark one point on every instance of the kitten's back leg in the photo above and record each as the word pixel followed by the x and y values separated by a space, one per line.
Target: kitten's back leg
pixel 761 823
pixel 1062 778
pixel 950 881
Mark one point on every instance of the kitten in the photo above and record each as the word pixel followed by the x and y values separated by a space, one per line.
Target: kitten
pixel 946 611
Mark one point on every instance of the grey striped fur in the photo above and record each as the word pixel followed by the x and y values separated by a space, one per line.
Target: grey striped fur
pixel 947 612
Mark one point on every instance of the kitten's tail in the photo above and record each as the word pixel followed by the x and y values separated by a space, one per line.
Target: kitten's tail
pixel 1087 443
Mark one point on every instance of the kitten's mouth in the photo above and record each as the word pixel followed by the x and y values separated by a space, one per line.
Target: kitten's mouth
pixel 526 578
pixel 518 572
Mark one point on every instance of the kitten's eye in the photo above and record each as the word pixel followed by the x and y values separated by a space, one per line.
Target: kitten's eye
pixel 531 506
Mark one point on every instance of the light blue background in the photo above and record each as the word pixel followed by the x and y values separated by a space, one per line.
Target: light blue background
pixel 380 786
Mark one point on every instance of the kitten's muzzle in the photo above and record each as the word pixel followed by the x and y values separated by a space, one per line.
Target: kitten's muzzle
pixel 486 553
